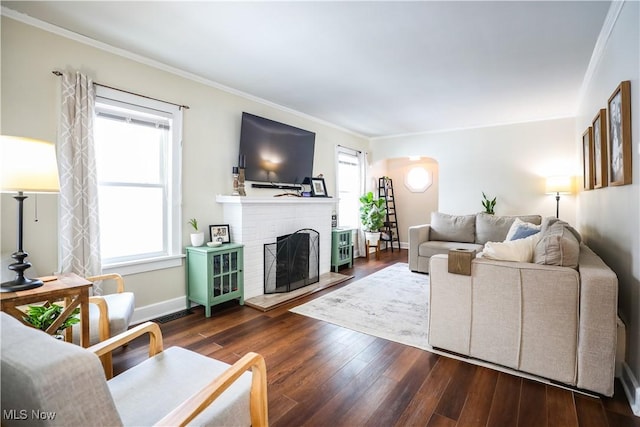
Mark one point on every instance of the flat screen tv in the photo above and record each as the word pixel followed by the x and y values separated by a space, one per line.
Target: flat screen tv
pixel 275 152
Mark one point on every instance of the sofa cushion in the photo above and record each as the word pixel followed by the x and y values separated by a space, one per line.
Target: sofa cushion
pixel 494 228
pixel 557 246
pixel 431 248
pixel 520 250
pixel 549 221
pixel 453 228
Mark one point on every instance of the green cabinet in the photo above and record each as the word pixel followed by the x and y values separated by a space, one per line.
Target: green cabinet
pixel 341 247
pixel 214 275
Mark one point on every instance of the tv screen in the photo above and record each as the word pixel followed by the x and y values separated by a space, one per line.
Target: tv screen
pixel 274 152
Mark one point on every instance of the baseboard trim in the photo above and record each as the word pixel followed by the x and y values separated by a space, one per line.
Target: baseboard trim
pixel 631 388
pixel 153 311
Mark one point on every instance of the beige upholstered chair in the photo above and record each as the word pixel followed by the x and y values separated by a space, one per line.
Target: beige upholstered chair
pixel 109 314
pixel 53 383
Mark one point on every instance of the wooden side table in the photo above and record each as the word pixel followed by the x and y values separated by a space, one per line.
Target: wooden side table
pixel 71 288
pixel 376 246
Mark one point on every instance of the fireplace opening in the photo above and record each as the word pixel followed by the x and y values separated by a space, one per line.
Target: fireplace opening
pixel 292 262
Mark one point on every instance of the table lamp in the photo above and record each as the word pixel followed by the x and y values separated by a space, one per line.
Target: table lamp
pixel 26 166
pixel 559 185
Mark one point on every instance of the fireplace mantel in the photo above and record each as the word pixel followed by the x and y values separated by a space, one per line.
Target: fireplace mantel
pixel 255 221
pixel 252 200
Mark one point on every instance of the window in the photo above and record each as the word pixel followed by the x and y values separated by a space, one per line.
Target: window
pixel 138 162
pixel 349 179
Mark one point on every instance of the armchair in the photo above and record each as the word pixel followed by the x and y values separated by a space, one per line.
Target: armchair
pixel 67 387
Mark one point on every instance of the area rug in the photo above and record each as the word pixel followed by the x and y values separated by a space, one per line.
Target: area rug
pixel 392 303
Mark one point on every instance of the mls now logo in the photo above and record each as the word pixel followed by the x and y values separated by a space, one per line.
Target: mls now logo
pixel 23 414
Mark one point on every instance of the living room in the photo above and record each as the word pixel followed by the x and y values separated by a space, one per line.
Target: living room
pixel 509 161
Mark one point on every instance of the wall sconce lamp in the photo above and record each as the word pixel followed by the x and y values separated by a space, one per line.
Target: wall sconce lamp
pixel 559 185
pixel 26 165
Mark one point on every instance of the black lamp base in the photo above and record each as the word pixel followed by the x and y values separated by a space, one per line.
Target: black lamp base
pixel 20 284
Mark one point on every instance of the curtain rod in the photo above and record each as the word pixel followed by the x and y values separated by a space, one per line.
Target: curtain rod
pixel 186 107
pixel 349 148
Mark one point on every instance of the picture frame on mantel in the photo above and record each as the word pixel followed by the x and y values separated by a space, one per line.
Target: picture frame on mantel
pixel 318 187
pixel 600 150
pixel 587 159
pixel 619 126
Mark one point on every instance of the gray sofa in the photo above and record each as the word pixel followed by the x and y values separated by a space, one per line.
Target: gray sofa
pixel 554 317
pixel 446 232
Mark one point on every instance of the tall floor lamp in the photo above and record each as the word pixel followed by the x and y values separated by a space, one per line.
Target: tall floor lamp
pixel 559 185
pixel 26 166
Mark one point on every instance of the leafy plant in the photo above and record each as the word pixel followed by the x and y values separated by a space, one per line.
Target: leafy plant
pixel 489 205
pixel 372 212
pixel 194 223
pixel 42 316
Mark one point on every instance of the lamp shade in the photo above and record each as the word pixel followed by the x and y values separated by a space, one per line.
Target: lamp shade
pixel 559 184
pixel 28 165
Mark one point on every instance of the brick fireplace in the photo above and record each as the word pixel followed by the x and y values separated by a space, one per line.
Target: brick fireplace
pixel 256 221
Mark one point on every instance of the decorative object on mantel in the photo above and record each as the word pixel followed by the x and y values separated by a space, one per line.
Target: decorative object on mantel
pixel 318 187
pixel 197 238
pixel 559 185
pixel 242 164
pixel 234 172
pixel 620 135
pixel 26 165
pixel 489 205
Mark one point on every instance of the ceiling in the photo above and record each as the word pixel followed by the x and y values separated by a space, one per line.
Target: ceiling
pixel 375 68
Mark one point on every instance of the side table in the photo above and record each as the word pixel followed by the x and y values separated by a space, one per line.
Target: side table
pixel 71 288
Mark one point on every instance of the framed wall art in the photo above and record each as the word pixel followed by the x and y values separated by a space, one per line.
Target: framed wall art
pixel 318 187
pixel 619 127
pixel 587 159
pixel 600 163
pixel 220 233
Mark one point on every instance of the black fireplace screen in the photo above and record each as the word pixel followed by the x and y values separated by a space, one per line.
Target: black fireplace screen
pixel 292 262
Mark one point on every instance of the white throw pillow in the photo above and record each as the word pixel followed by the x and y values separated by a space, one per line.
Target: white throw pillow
pixel 521 250
pixel 517 224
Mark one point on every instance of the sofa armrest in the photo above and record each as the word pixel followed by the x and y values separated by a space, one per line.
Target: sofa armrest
pixel 598 320
pixel 417 234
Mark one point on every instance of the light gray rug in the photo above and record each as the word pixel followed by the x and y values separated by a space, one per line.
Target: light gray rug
pixel 392 303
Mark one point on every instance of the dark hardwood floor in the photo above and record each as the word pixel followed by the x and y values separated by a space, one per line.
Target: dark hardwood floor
pixel 320 374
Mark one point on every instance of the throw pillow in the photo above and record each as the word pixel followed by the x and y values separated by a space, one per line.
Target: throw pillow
pixel 522 228
pixel 494 228
pixel 520 250
pixel 452 228
pixel 557 246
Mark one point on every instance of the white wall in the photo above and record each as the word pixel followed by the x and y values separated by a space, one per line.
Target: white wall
pixel 30 99
pixel 609 218
pixel 509 162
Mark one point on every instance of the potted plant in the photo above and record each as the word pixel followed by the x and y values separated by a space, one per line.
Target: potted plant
pixel 372 215
pixel 197 238
pixel 489 205
pixel 43 316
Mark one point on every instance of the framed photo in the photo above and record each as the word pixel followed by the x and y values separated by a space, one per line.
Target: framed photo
pixel 600 163
pixel 318 187
pixel 220 233
pixel 619 114
pixel 587 159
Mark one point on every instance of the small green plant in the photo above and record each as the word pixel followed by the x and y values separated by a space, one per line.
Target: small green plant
pixel 489 205
pixel 42 316
pixel 372 212
pixel 194 223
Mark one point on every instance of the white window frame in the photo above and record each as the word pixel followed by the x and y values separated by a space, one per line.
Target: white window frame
pixel 173 202
pixel 356 154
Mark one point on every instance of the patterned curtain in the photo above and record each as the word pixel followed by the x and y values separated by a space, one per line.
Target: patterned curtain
pixel 79 235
